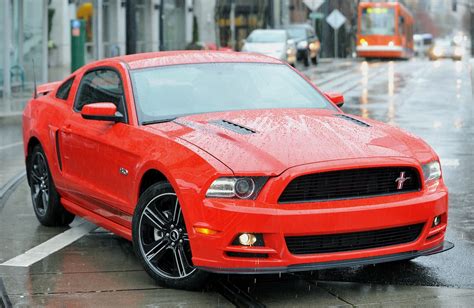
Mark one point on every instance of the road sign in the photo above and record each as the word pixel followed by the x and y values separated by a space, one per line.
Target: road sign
pixel 316 15
pixel 313 5
pixel 336 19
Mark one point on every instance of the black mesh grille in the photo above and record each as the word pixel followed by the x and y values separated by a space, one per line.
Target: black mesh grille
pixel 352 241
pixel 346 184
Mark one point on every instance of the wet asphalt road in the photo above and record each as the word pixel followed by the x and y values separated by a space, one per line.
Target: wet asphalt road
pixel 430 99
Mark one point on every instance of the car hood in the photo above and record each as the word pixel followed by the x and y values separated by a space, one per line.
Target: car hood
pixel 265 48
pixel 271 141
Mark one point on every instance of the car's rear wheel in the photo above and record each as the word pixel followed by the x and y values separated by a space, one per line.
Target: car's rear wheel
pixel 315 60
pixel 161 241
pixel 307 58
pixel 45 198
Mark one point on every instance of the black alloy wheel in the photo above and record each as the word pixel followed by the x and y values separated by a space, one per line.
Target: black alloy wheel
pixel 161 240
pixel 45 198
pixel 39 178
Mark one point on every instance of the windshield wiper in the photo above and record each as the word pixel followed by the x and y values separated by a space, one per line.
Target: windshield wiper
pixel 159 121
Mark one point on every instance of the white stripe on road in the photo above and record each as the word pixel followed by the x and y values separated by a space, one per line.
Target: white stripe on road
pixel 12 145
pixel 52 245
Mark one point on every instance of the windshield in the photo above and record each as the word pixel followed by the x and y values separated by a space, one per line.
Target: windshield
pixel 171 91
pixel 377 20
pixel 268 36
pixel 297 33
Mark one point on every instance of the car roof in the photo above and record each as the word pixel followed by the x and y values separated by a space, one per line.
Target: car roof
pixel 165 58
pixel 269 30
pixel 298 26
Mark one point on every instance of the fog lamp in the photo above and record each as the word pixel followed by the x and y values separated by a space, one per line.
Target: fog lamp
pixel 436 221
pixel 247 239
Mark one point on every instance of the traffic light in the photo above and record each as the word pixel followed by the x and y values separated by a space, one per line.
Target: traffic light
pixel 455 5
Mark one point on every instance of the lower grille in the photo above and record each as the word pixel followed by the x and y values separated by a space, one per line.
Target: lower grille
pixel 313 244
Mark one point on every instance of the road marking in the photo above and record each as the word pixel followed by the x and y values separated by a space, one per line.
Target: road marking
pixel 12 145
pixel 52 245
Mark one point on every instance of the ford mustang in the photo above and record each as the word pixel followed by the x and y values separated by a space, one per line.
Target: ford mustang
pixel 229 163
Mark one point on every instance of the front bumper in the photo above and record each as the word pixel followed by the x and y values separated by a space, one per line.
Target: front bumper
pixel 216 253
pixel 379 51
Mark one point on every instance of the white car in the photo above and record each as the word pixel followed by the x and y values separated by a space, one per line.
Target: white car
pixel 273 43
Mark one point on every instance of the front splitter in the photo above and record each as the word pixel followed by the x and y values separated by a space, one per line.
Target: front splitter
pixel 445 246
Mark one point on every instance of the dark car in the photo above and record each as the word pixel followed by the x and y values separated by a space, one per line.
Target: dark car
pixel 307 42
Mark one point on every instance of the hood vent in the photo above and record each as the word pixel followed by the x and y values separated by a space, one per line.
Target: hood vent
pixel 348 118
pixel 236 128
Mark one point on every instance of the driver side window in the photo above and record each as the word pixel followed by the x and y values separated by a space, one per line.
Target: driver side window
pixel 99 86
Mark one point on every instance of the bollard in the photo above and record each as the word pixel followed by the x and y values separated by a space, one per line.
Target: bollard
pixel 78 43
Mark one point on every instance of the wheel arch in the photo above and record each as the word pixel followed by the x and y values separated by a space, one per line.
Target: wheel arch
pixel 32 143
pixel 150 177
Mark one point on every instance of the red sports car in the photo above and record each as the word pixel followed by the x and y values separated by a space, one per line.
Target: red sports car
pixel 230 163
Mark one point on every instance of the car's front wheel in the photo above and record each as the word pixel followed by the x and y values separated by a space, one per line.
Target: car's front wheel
pixel 161 241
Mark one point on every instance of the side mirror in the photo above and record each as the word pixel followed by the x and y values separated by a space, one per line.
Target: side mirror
pixel 336 98
pixel 101 112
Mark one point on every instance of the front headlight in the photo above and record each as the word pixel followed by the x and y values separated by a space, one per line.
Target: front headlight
pixel 236 187
pixel 291 51
pixel 431 171
pixel 438 52
pixel 458 51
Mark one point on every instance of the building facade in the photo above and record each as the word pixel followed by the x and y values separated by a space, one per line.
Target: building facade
pixel 23 41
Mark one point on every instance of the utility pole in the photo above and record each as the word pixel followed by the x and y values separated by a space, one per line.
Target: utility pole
pixel 472 29
pixel 160 22
pixel 325 30
pixel 232 24
pixel 131 34
pixel 470 6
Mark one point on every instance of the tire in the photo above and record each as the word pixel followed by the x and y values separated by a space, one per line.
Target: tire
pixel 44 196
pixel 161 242
pixel 306 59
